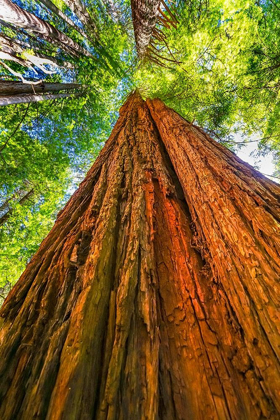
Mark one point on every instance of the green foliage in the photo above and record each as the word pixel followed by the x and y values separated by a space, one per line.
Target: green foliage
pixel 225 69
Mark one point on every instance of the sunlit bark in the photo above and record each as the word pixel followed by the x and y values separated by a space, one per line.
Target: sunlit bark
pixel 156 294
pixel 17 46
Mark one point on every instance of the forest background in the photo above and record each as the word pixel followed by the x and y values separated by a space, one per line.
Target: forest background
pixel 215 62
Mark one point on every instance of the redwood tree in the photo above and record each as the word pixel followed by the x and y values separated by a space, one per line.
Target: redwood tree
pixel 156 294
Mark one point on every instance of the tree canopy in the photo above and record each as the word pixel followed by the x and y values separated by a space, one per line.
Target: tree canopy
pixel 216 62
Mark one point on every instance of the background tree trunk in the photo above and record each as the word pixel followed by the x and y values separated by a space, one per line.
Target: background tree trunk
pixel 25 98
pixel 156 294
pixel 12 87
pixel 27 196
pixel 80 10
pixel 52 7
pixel 12 13
pixel 144 17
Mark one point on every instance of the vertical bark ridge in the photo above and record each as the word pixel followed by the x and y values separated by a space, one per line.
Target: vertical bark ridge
pixel 237 234
pixel 155 294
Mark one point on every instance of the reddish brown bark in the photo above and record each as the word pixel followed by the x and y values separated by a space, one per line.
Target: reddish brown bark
pixel 155 295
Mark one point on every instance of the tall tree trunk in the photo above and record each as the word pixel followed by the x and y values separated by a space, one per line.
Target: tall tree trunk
pixel 11 87
pixel 19 46
pixel 52 7
pixel 25 98
pixel 27 196
pixel 144 16
pixel 156 294
pixel 80 10
pixel 31 40
pixel 148 16
pixel 13 46
pixel 12 13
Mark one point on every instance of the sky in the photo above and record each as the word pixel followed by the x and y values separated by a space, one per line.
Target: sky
pixel 264 164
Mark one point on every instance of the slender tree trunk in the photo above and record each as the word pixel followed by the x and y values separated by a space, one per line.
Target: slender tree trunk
pixel 34 42
pixel 25 98
pixel 113 11
pixel 11 87
pixel 51 6
pixel 12 13
pixel 9 212
pixel 80 10
pixel 156 294
pixel 19 46
pixel 18 194
pixel 29 60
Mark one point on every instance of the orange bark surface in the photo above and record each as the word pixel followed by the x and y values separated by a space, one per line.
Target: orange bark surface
pixel 156 294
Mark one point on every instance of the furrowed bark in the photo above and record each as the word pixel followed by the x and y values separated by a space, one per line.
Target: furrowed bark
pixel 144 17
pixel 148 17
pixel 155 295
pixel 13 14
pixel 25 98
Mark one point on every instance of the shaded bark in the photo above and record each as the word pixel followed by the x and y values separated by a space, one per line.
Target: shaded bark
pixel 26 98
pixel 12 13
pixel 156 294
